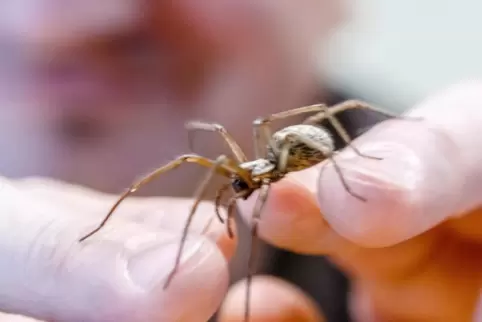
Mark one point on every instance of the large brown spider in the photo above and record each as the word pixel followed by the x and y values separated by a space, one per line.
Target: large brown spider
pixel 292 148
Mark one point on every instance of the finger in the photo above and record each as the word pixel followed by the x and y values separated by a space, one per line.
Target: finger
pixel 15 318
pixel 430 172
pixel 117 275
pixel 272 300
pixel 153 212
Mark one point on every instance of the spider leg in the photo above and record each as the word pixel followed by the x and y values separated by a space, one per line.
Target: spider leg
pixel 343 180
pixel 262 133
pixel 315 145
pixel 213 127
pixel 224 170
pixel 231 208
pixel 201 191
pixel 357 104
pixel 339 128
pixel 261 126
pixel 283 156
pixel 329 113
pixel 262 197
pixel 217 201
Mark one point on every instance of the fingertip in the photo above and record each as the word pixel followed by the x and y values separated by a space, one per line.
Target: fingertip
pixel 123 271
pixel 181 301
pixel 135 266
pixel 430 171
pixel 406 193
pixel 272 299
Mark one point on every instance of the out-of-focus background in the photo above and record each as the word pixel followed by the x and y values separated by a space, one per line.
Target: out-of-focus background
pixel 397 52
pixel 98 94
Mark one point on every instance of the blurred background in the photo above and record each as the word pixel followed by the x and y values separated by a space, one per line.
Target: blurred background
pixel 395 53
pixel 97 93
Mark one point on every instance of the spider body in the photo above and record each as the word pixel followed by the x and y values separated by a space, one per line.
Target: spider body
pixel 258 170
pixel 290 149
pixel 299 156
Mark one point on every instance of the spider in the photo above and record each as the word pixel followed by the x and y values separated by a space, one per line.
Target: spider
pixel 293 148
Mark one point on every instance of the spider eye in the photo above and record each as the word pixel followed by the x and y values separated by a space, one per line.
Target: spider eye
pixel 239 185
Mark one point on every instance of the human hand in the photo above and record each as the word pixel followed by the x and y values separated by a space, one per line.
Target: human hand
pixel 412 251
pixel 118 274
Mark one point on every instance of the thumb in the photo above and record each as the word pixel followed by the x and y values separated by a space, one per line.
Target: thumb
pixel 117 275
pixel 430 171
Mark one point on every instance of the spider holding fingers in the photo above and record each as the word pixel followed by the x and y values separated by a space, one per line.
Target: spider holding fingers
pixel 293 148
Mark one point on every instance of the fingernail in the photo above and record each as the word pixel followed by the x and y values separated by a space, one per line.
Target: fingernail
pixel 406 192
pixel 150 265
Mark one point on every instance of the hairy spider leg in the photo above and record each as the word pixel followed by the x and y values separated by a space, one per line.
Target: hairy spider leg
pixel 231 204
pixel 230 210
pixel 199 196
pixel 329 113
pixel 258 208
pixel 217 201
pixel 357 104
pixel 225 170
pixel 214 127
pixel 262 131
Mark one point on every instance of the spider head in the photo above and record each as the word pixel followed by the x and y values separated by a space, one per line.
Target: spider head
pixel 241 187
pixel 258 169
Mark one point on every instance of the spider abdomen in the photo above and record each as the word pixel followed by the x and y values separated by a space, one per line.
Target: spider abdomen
pixel 300 154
